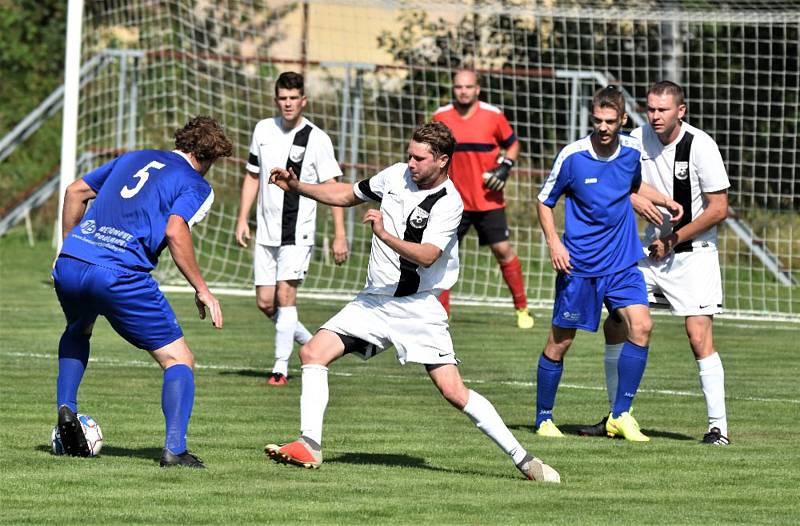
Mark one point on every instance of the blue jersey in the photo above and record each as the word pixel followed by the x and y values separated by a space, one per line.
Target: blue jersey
pixel 600 227
pixel 136 194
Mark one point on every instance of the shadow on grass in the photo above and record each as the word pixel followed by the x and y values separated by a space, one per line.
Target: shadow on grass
pixel 574 430
pixel 252 373
pixel 153 453
pixel 385 459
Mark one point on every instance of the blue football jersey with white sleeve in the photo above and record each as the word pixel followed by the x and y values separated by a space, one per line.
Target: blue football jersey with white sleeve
pixel 600 226
pixel 136 193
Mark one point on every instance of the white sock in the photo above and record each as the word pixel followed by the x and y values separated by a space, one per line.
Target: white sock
pixel 285 323
pixel 313 401
pixel 612 378
pixel 485 417
pixel 301 334
pixel 712 381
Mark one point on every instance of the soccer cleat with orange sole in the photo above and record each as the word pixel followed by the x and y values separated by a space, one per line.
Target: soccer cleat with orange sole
pixel 298 453
pixel 277 379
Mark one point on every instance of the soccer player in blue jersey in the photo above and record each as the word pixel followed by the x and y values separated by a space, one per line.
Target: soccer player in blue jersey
pixel 144 201
pixel 596 261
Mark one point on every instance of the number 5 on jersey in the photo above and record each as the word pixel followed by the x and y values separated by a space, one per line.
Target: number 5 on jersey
pixel 142 175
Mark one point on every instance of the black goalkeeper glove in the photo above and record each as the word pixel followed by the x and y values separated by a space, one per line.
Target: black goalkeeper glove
pixel 495 179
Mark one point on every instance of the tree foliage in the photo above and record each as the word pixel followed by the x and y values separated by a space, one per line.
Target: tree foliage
pixel 31 55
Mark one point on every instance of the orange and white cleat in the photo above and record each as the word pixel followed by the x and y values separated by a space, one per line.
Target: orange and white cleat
pixel 303 452
pixel 277 379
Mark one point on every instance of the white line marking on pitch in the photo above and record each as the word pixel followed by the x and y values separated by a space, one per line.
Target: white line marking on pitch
pixel 514 383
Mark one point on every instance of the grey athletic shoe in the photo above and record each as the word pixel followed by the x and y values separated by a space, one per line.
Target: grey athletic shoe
pixel 534 469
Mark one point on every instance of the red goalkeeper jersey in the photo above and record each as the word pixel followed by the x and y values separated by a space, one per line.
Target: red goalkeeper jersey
pixel 478 141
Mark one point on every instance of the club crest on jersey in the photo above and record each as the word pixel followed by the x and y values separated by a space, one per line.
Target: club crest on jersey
pixel 88 227
pixel 681 170
pixel 419 218
pixel 296 153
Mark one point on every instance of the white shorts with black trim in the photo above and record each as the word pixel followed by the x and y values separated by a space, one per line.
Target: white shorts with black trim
pixel 416 325
pixel 689 283
pixel 284 263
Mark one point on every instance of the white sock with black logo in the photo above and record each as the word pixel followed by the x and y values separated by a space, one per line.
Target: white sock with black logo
pixel 313 401
pixel 285 323
pixel 712 381
pixel 485 417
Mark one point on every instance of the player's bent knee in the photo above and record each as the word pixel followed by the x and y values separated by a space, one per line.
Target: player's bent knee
pixel 640 330
pixel 175 353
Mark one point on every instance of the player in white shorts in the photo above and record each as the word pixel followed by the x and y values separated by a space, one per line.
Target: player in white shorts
pixel 286 222
pixel 414 256
pixel 681 267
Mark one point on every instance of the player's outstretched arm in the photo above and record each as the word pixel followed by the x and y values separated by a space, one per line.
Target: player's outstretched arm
pixel 423 254
pixel 335 194
pixel 75 198
pixel 248 196
pixel 179 240
pixel 559 255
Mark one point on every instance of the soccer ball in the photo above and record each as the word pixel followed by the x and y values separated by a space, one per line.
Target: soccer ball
pixel 91 430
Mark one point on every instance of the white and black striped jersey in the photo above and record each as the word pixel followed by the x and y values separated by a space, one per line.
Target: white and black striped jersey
pixel 422 216
pixel 285 218
pixel 685 169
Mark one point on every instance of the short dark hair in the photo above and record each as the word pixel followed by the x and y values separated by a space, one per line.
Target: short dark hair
pixel 290 80
pixel 203 137
pixel 667 87
pixel 438 137
pixel 609 97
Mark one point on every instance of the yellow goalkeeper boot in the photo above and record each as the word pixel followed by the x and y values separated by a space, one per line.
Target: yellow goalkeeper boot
pixel 524 319
pixel 626 427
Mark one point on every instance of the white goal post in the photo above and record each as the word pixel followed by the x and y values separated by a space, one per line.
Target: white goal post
pixel 375 70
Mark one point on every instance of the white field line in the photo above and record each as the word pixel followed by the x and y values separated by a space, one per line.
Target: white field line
pixel 513 383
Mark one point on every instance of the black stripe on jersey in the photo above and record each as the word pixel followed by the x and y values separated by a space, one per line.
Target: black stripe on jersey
pixel 508 142
pixel 253 159
pixel 291 201
pixel 367 191
pixel 475 147
pixel 682 187
pixel 415 227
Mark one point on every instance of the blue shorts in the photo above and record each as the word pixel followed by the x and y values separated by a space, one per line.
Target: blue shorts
pixel 131 302
pixel 579 300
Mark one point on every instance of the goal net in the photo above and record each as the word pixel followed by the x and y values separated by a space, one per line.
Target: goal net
pixel 376 70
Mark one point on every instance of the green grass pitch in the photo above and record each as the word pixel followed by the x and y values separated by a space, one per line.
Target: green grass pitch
pixel 395 451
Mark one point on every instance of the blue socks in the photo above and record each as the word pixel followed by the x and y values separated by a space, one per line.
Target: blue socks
pixel 73 355
pixel 630 369
pixel 548 376
pixel 177 399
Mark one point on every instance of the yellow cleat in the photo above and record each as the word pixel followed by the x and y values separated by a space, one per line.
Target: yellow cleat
pixel 549 429
pixel 626 427
pixel 524 319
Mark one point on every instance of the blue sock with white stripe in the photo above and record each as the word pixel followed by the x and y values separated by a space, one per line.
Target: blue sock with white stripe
pixel 73 355
pixel 630 369
pixel 548 376
pixel 177 399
